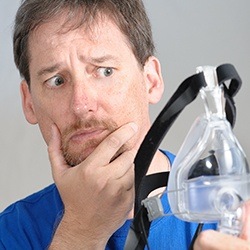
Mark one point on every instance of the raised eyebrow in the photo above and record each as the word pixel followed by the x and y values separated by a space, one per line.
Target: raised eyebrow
pixel 104 58
pixel 47 70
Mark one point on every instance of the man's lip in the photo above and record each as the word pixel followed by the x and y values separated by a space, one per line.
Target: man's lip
pixel 86 134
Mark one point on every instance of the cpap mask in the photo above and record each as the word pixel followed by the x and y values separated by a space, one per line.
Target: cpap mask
pixel 210 176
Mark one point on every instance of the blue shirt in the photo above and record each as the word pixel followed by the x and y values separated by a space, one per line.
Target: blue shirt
pixel 31 222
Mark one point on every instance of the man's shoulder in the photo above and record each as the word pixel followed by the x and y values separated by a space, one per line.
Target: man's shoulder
pixel 31 220
pixel 45 201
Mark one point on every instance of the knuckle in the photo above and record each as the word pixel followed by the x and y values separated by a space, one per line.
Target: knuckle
pixel 102 183
pixel 88 173
pixel 113 141
pixel 129 156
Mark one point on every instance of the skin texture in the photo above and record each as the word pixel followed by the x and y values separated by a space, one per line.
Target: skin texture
pixel 90 98
pixel 87 96
pixel 77 104
pixel 212 240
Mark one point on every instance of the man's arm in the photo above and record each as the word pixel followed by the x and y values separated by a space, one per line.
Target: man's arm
pixel 98 193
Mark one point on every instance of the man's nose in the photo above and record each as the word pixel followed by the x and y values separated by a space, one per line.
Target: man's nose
pixel 84 99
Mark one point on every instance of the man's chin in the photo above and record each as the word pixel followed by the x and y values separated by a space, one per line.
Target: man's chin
pixel 75 158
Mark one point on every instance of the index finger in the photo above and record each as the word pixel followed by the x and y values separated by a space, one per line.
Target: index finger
pixel 107 149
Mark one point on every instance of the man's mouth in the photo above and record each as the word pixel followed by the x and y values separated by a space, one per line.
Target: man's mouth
pixel 88 134
pixel 80 139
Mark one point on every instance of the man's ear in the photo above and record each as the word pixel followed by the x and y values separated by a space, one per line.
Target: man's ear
pixel 153 79
pixel 27 103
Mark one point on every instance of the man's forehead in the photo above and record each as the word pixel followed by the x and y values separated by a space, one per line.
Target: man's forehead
pixel 61 25
pixel 104 38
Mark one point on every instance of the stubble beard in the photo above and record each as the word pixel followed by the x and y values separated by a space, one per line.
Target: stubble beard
pixel 74 155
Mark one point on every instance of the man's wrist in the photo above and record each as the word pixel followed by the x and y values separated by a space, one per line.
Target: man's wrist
pixel 72 234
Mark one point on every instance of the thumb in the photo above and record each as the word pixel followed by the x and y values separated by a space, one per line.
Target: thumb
pixel 57 161
pixel 245 233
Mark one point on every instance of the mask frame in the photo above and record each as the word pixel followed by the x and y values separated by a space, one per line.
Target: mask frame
pixel 184 95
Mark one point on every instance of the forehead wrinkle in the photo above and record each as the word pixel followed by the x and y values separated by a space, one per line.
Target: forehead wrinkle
pixel 91 35
pixel 98 59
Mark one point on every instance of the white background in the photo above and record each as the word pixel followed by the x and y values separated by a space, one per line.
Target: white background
pixel 187 34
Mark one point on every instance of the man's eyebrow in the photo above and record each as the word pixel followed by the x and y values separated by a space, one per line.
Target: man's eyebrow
pixel 104 58
pixel 47 70
pixel 55 67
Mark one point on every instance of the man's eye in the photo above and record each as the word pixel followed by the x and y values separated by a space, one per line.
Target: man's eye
pixel 55 81
pixel 106 72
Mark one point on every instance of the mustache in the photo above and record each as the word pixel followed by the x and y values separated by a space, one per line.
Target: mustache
pixel 88 124
pixel 74 158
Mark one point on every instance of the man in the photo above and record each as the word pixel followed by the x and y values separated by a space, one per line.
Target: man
pixel 89 75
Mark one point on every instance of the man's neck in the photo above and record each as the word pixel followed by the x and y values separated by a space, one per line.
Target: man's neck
pixel 160 163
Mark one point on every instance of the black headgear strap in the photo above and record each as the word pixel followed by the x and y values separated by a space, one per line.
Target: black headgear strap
pixel 144 184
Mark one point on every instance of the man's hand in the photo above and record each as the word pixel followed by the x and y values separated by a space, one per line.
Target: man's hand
pixel 212 240
pixel 97 194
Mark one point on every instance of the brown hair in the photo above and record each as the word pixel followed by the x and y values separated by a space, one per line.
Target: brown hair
pixel 129 15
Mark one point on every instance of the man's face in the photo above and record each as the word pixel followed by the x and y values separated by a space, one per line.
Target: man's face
pixel 88 83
